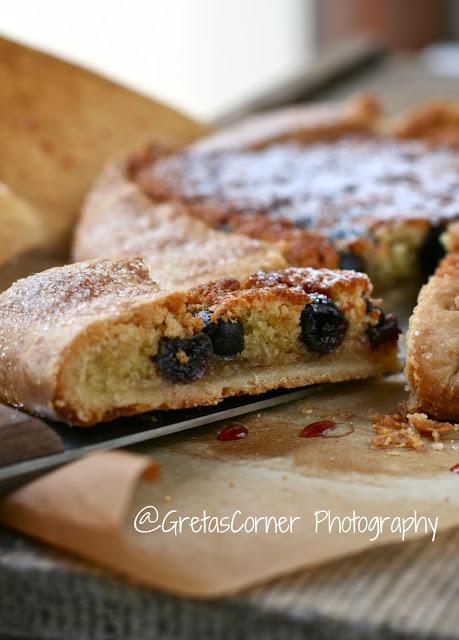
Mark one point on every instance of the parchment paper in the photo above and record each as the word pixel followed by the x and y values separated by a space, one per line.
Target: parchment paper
pixel 90 506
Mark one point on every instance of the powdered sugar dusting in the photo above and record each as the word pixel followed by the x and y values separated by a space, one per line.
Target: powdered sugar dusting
pixel 311 280
pixel 62 294
pixel 179 250
pixel 41 316
pixel 341 187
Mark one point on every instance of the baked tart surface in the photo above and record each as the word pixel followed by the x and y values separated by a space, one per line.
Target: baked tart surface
pixel 380 200
pixel 118 220
pixel 121 216
pixel 92 341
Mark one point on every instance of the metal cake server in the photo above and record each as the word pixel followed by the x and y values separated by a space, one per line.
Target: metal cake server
pixel 30 446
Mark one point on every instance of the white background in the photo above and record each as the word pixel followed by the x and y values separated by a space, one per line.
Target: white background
pixel 204 56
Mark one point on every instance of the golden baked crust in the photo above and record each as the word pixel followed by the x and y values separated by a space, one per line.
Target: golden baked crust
pixel 119 220
pixel 95 340
pixel 292 280
pixel 318 182
pixel 436 121
pixel 47 318
pixel 346 188
pixel 117 198
pixel 325 281
pixel 293 285
pixel 433 345
pixel 301 123
pixel 450 237
pixel 300 247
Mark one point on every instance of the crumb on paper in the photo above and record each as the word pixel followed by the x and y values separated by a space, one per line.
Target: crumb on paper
pixel 231 484
pixel 429 427
pixel 394 432
pixel 406 430
pixel 307 408
pixel 167 498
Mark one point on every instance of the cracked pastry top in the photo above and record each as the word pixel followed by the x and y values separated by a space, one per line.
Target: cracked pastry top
pixel 379 198
pixel 432 367
pixel 92 341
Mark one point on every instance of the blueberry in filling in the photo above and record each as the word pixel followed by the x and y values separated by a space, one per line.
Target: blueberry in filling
pixel 432 250
pixel 323 325
pixel 386 331
pixel 184 359
pixel 303 221
pixel 225 227
pixel 351 261
pixel 369 306
pixel 227 337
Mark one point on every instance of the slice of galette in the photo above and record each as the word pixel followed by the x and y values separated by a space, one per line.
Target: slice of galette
pixel 92 341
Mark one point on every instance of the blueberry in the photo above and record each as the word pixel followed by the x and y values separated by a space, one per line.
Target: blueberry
pixel 184 359
pixel 303 221
pixel 352 261
pixel 224 227
pixel 227 337
pixel 369 306
pixel 431 251
pixel 347 231
pixel 323 325
pixel 386 331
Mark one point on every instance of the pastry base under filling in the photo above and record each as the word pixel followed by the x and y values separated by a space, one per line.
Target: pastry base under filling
pixel 284 329
pixel 151 394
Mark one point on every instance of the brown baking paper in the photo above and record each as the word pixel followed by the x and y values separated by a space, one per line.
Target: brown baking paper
pixel 90 507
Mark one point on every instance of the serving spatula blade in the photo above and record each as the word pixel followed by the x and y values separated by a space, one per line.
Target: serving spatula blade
pixel 65 444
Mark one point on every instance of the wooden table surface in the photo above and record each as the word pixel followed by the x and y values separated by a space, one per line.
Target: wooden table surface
pixel 407 590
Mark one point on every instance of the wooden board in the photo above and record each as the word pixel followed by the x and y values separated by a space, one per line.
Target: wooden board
pixel 59 123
